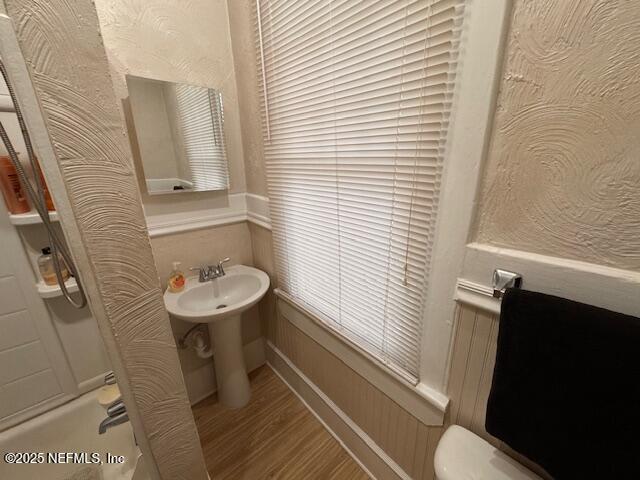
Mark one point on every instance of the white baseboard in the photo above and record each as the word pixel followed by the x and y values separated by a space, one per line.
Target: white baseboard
pixel 201 382
pixel 373 460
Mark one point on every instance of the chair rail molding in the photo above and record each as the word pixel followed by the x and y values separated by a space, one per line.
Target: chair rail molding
pixel 241 207
pixel 476 295
pixel 606 287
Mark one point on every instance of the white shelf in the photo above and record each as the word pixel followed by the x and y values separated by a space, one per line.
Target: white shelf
pixel 51 291
pixel 30 218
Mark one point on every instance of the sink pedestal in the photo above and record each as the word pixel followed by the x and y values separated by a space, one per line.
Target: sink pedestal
pixel 219 303
pixel 228 358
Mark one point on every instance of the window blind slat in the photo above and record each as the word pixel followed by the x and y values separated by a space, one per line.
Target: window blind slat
pixel 358 97
pixel 343 34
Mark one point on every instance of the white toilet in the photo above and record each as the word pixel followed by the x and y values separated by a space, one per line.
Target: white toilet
pixel 462 455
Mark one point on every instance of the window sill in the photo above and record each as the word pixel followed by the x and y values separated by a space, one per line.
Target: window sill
pixel 423 402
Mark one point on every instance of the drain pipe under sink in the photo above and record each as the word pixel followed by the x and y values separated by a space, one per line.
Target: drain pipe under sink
pixel 200 345
pixel 195 338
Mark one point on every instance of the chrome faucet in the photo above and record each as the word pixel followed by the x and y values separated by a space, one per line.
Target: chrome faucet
pixel 116 408
pixel 211 272
pixel 109 422
pixel 116 414
pixel 116 411
pixel 110 379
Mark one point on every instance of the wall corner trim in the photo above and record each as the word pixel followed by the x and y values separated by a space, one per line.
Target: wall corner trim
pixel 476 295
pixel 258 210
pixel 241 207
pixel 478 81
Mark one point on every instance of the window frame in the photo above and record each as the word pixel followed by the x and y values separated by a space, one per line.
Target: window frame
pixel 483 45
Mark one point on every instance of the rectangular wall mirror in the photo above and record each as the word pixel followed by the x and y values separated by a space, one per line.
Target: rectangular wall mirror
pixel 180 131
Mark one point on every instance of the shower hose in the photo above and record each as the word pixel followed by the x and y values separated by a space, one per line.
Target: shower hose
pixel 37 197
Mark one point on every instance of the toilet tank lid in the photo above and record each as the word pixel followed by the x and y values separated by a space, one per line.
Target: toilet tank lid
pixel 462 454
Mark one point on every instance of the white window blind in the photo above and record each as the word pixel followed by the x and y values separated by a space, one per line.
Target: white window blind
pixel 200 119
pixel 356 100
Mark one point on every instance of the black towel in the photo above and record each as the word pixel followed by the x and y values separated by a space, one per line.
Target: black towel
pixel 566 387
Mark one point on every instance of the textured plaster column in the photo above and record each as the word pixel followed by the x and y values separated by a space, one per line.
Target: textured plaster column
pixel 94 186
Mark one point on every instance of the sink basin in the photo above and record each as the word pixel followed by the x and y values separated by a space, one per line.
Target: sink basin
pixel 219 303
pixel 240 289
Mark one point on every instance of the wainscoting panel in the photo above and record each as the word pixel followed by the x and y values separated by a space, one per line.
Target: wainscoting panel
pixel 473 358
pixel 408 442
pixel 472 362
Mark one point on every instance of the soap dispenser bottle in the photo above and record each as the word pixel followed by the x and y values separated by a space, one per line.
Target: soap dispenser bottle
pixel 176 279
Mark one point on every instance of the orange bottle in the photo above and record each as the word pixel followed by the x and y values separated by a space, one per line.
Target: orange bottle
pixel 12 191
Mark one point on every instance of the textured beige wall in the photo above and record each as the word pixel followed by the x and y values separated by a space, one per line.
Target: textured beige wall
pixel 186 42
pixel 241 19
pixel 262 248
pixel 202 247
pixel 101 211
pixel 563 168
pixel 190 43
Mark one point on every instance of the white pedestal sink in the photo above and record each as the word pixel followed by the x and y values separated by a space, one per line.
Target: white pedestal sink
pixel 219 303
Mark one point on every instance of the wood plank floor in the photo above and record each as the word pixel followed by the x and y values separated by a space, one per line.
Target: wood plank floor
pixel 274 436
